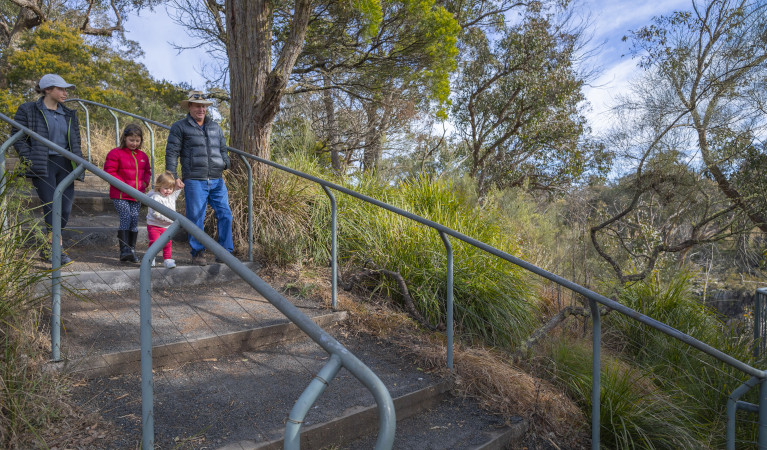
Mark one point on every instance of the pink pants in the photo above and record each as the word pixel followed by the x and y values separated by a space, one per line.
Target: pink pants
pixel 154 233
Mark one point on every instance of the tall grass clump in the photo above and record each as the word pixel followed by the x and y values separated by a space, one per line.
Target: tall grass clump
pixel 634 412
pixel 703 383
pixel 27 394
pixel 291 216
pixel 494 301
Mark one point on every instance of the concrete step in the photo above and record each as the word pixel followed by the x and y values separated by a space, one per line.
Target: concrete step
pixel 87 200
pixel 100 229
pixel 107 322
pixel 190 349
pixel 91 197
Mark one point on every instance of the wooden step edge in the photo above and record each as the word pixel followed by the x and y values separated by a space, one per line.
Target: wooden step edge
pixel 355 422
pixel 129 361
pixel 127 279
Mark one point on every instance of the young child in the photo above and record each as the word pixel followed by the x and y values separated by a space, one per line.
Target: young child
pixel 167 189
pixel 130 165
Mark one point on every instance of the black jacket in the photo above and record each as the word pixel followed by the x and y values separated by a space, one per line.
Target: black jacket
pixel 34 152
pixel 203 154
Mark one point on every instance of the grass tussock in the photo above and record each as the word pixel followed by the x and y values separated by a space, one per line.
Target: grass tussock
pixel 286 209
pixel 701 383
pixel 635 412
pixel 494 300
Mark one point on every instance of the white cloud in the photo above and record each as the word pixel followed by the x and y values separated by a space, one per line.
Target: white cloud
pixel 604 90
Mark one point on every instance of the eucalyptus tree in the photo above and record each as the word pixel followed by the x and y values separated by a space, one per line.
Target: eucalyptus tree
pixel 713 59
pixel 355 48
pixel 517 105
pixel 699 106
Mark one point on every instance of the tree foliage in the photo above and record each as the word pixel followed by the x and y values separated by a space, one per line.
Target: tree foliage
pixel 91 17
pixel 518 105
pixel 688 136
pixel 378 58
pixel 98 72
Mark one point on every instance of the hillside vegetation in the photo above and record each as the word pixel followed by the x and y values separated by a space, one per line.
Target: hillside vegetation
pixel 473 115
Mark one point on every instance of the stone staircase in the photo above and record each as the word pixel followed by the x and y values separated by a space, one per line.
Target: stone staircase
pixel 228 366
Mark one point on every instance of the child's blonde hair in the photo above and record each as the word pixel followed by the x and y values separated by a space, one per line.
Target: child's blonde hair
pixel 165 180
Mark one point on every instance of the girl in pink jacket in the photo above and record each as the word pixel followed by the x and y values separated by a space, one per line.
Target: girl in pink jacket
pixel 129 164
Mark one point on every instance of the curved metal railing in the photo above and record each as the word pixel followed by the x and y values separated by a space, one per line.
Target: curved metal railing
pixel 594 298
pixel 340 356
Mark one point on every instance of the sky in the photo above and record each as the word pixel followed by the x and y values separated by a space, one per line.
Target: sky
pixel 610 21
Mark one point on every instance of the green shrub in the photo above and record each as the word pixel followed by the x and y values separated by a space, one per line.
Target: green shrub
pixel 493 298
pixel 702 382
pixel 291 216
pixel 634 412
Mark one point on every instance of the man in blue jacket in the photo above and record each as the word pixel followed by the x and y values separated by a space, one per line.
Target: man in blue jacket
pixel 200 144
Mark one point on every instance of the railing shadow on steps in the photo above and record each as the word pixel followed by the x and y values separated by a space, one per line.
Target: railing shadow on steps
pixel 339 355
pixel 758 376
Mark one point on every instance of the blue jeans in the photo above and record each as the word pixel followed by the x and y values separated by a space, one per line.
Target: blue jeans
pixel 197 195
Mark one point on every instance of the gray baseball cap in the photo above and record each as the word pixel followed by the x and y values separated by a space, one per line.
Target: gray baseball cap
pixel 53 80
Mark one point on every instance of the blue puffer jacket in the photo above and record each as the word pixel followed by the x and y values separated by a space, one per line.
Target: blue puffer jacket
pixel 203 154
pixel 35 153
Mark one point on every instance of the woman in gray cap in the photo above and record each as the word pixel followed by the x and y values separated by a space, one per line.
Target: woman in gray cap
pixel 50 119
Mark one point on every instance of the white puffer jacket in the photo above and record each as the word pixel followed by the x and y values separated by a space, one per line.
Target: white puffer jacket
pixel 156 219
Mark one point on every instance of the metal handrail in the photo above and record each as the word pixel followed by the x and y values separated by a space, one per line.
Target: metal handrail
pixel 386 412
pixel 593 297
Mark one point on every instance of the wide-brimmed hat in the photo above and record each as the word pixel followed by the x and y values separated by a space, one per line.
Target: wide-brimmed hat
pixel 195 97
pixel 53 80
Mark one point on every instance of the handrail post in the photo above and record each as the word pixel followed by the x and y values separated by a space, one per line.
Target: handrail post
pixel 306 400
pixel 151 154
pixel 759 336
pixel 449 299
pixel 87 129
pixel 3 150
pixel 596 374
pixel 250 207
pixel 145 317
pixel 333 248
pixel 762 440
pixel 56 262
pixel 117 128
pixel 732 407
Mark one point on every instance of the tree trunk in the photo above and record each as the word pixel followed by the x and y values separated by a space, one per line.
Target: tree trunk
pixel 26 20
pixel 372 150
pixel 332 125
pixel 757 217
pixel 256 87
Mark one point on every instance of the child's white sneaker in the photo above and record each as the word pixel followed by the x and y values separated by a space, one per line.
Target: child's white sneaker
pixel 154 262
pixel 169 263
